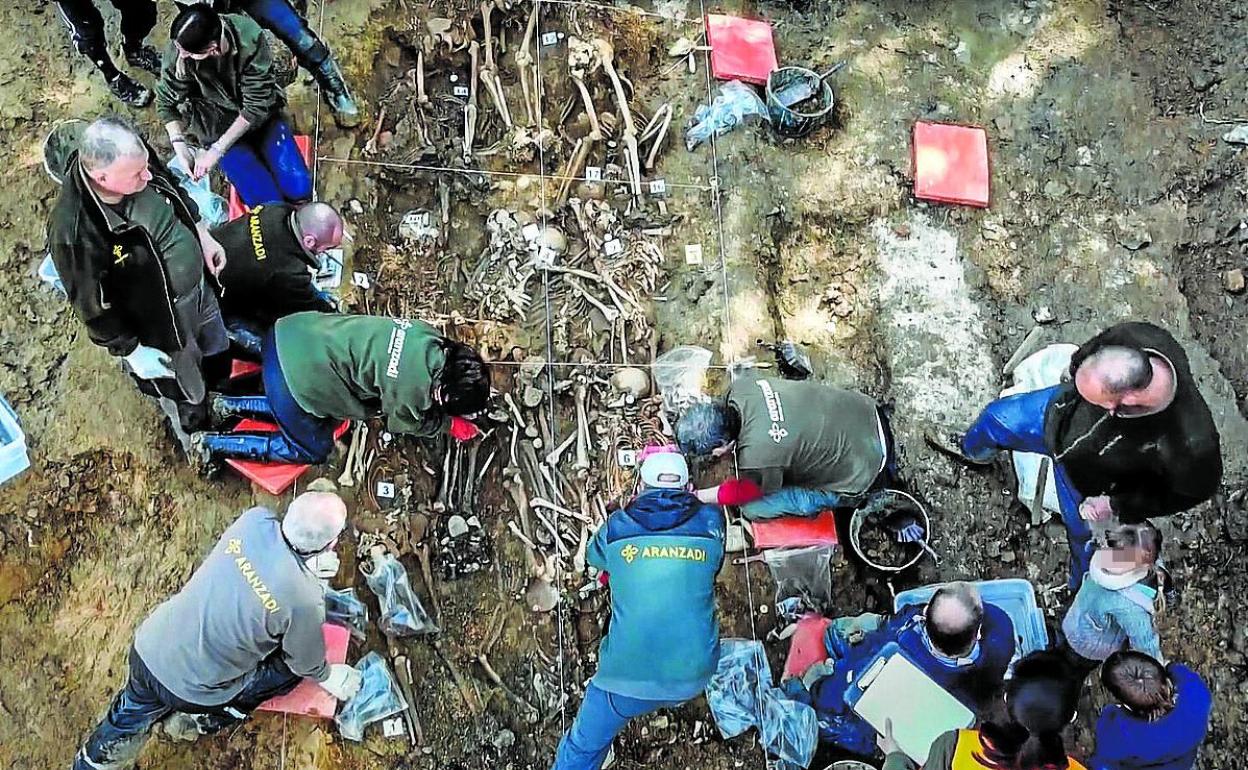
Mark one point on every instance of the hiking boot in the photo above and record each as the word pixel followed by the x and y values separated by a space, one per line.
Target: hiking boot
pixel 949 443
pixel 134 94
pixel 144 57
pixel 337 95
pixel 180 726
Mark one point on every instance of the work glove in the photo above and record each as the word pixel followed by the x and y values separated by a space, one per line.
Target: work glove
pixel 463 430
pixel 738 492
pixel 324 564
pixel 343 682
pixel 149 363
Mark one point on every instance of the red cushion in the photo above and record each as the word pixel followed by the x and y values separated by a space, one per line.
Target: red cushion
pixel 951 163
pixel 795 531
pixel 741 49
pixel 309 698
pixel 806 646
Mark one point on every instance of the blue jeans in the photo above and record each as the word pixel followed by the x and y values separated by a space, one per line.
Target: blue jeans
pixel 602 716
pixel 793 501
pixel 1017 423
pixel 117 740
pixel 310 438
pixel 265 165
pixel 280 18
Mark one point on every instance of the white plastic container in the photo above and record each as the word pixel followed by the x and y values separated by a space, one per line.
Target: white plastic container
pixel 13 457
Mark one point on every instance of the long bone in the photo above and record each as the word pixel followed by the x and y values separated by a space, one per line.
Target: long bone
pixel 470 109
pixel 633 159
pixel 607 312
pixel 525 61
pixel 489 73
pixel 555 455
pixel 582 427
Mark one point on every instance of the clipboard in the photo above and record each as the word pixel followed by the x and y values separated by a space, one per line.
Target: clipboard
pixel 891 686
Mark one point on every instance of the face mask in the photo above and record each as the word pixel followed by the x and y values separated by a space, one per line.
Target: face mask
pixel 324 564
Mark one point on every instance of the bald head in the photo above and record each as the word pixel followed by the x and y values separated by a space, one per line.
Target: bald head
pixel 1124 380
pixel 953 618
pixel 314 520
pixel 114 158
pixel 320 227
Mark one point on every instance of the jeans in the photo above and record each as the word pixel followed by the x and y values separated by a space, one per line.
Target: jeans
pixel 117 740
pixel 265 165
pixel 281 18
pixel 602 716
pixel 308 438
pixel 793 501
pixel 1017 423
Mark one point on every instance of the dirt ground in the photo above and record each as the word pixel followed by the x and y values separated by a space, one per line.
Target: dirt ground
pixel 1113 197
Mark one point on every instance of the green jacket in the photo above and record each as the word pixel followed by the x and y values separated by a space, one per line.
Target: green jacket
pixel 211 93
pixel 358 366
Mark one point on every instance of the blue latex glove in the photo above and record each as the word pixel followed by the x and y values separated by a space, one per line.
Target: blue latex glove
pixel 149 363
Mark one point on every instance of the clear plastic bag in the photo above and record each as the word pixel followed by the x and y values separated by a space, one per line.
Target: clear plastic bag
pixel 378 698
pixel 679 375
pixel 734 691
pixel 733 104
pixel 344 608
pixel 401 611
pixel 741 696
pixel 213 209
pixel 804 574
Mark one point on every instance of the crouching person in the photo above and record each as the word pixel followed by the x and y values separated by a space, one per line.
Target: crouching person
pixel 320 369
pixel 662 553
pixel 247 627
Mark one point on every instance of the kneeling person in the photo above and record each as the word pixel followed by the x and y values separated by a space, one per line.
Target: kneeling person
pixel 246 628
pixel 320 369
pixel 268 252
pixel 662 552
pixel 802 447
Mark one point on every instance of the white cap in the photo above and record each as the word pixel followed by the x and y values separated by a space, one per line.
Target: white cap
pixel 665 470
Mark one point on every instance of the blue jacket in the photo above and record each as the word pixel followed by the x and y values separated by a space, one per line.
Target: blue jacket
pixel 662 552
pixel 976 683
pixel 1126 742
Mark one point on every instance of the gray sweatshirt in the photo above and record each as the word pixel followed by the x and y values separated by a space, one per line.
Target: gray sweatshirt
pixel 251 597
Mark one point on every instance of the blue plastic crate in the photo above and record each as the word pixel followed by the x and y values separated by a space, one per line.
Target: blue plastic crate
pixel 1013 595
pixel 13 457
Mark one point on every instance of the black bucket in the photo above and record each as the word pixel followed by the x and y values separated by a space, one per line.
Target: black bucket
pixel 806 115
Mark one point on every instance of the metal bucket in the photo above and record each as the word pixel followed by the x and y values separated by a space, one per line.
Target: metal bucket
pixel 789 121
pixel 866 511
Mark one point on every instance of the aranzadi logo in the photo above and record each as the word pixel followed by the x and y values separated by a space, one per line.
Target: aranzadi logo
pixel 683 552
pixel 775 410
pixel 629 552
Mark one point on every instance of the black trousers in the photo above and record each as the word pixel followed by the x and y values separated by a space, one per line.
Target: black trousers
pixel 86 27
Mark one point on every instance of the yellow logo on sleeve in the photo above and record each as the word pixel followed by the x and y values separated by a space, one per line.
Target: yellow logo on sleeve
pixel 629 552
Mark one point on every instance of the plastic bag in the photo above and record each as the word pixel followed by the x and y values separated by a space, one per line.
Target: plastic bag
pixel 734 691
pixel 679 374
pixel 401 612
pixel 1041 369
pixel 49 275
pixel 741 696
pixel 804 574
pixel 213 209
pixel 378 698
pixel 734 103
pixel 344 608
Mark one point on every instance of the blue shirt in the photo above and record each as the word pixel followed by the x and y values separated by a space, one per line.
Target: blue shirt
pixel 1126 742
pixel 662 552
pixel 974 681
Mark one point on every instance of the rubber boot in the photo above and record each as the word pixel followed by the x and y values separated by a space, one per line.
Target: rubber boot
pixel 225 407
pixel 336 93
pixel 245 340
pixel 240 446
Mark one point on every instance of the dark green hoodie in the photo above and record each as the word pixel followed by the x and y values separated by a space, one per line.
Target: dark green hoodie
pixel 358 366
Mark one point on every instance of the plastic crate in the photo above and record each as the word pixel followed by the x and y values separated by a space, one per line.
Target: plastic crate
pixel 1013 595
pixel 13 457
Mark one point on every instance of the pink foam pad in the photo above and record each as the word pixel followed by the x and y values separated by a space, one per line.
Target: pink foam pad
pixel 274 478
pixel 236 207
pixel 951 163
pixel 806 646
pixel 240 369
pixel 309 698
pixel 795 531
pixel 741 49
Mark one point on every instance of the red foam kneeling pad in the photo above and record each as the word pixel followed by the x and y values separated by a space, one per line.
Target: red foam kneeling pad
pixel 309 698
pixel 951 163
pixel 795 531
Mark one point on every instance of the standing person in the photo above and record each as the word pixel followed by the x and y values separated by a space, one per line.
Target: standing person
pixel 1130 434
pixel 131 251
pixel 320 369
pixel 1025 734
pixel 245 628
pixel 217 81
pixel 1160 718
pixel 86 30
pixel 1119 599
pixel 802 447
pixel 288 21
pixel 269 251
pixel 662 552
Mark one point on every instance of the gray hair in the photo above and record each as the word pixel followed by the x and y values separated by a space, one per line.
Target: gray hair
pixel 953 617
pixel 313 520
pixel 107 140
pixel 1121 369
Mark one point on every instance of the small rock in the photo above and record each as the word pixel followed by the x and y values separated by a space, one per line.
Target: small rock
pixel 503 739
pixel 1043 315
pixel 1233 281
pixel 1083 156
pixel 456 526
pixel 1008 557
pixel 1202 79
pixel 660 723
pixel 532 396
pixel 1055 189
pixel 1132 234
pixel 1237 135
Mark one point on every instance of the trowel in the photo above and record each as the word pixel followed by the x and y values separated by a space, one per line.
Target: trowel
pixel 798 92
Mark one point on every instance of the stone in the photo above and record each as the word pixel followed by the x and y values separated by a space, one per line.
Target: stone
pixel 1233 281
pixel 1132 234
pixel 1202 79
pixel 503 739
pixel 457 526
pixel 1054 189
pixel 1237 135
